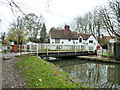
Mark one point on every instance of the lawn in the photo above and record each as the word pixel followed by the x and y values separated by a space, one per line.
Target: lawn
pixel 43 74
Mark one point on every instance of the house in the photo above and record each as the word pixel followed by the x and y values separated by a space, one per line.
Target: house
pixel 66 37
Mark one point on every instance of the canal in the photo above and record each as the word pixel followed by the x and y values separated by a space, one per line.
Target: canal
pixel 102 75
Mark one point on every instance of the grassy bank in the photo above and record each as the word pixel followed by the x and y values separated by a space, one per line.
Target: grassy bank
pixel 42 74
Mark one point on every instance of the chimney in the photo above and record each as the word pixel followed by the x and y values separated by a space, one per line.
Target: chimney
pixel 67 28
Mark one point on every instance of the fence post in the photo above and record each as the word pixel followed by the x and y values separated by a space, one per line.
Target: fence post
pixel 58 49
pixel 37 49
pixel 31 47
pixel 75 49
pixel 108 51
pixel 25 48
pixel 47 49
pixel 80 47
pixel 19 48
pixel 112 48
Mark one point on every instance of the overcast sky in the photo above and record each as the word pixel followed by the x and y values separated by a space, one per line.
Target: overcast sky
pixel 55 12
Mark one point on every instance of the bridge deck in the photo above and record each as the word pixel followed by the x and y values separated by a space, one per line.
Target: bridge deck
pixel 65 54
pixel 61 53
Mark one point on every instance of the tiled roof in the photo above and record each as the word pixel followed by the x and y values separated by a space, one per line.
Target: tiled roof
pixel 84 36
pixel 108 37
pixel 62 34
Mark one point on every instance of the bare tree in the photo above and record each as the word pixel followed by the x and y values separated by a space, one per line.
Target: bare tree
pixel 111 17
pixel 86 24
pixel 14 6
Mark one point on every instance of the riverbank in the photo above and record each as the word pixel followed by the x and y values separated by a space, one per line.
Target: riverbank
pixel 97 59
pixel 10 77
pixel 43 74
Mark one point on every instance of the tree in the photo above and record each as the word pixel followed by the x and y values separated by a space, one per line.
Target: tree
pixel 16 32
pixel 43 33
pixel 111 17
pixel 3 35
pixel 86 24
pixel 33 25
pixel 14 6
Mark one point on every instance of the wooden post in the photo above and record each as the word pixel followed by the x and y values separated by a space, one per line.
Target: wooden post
pixel 37 49
pixel 108 51
pixel 25 48
pixel 112 48
pixel 58 49
pixel 67 49
pixel 47 49
pixel 40 47
pixel 19 48
pixel 31 48
pixel 80 47
pixel 75 49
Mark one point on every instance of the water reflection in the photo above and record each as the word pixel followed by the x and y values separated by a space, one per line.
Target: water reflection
pixel 97 74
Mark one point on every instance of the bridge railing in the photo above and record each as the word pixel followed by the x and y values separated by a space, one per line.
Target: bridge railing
pixel 56 47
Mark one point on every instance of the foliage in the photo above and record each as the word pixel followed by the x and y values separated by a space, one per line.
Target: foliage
pixel 17 30
pixel 43 33
pixel 3 35
pixel 33 25
pixel 42 74
pixel 27 27
pixel 104 42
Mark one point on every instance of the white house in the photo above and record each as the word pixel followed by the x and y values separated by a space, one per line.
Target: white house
pixel 66 37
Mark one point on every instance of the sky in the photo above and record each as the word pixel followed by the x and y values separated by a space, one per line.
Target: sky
pixel 55 12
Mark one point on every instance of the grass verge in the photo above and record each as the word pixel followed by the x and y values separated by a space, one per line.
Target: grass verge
pixel 43 74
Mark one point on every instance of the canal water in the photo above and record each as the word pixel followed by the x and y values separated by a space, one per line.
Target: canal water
pixel 102 75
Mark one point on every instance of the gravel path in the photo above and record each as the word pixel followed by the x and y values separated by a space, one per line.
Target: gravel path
pixel 10 76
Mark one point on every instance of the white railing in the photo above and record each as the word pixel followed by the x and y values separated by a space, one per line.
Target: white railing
pixel 56 47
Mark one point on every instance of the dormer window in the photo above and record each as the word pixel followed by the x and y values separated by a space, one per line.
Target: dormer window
pixel 69 40
pixel 80 40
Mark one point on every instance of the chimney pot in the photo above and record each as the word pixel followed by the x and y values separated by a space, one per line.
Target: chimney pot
pixel 67 27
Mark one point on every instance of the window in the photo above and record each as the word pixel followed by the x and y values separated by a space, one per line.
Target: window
pixel 52 42
pixel 69 39
pixel 90 41
pixel 80 40
pixel 90 48
pixel 57 41
pixel 62 42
